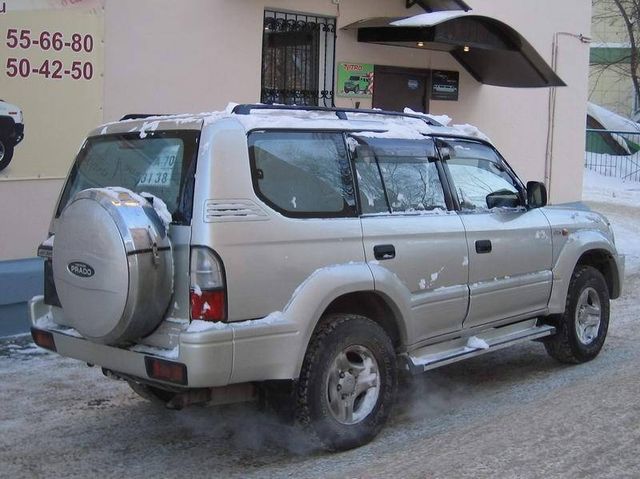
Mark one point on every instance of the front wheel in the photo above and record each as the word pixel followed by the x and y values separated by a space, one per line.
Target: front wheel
pixel 6 153
pixel 348 381
pixel 582 328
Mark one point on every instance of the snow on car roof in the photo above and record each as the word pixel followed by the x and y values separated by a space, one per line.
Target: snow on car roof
pixel 368 123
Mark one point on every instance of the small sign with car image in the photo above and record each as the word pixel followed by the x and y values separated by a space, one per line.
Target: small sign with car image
pixel 445 85
pixel 355 80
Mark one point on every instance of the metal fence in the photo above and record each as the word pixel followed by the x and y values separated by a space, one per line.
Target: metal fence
pixel 614 153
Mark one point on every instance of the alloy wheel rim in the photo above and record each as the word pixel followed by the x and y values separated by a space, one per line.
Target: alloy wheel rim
pixel 353 385
pixel 588 316
pixel 1 150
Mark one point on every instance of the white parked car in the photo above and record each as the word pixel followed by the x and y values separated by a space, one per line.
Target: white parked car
pixel 11 131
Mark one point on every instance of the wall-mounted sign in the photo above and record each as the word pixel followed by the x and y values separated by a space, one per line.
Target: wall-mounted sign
pixel 51 67
pixel 355 80
pixel 445 85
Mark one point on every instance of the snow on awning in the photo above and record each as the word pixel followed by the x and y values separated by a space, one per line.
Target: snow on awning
pixel 490 50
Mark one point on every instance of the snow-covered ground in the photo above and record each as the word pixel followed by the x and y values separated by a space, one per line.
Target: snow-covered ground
pixel 619 200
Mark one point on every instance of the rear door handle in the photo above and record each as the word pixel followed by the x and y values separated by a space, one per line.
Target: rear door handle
pixel 384 251
pixel 483 246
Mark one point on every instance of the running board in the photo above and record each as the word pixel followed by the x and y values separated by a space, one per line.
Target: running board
pixel 441 354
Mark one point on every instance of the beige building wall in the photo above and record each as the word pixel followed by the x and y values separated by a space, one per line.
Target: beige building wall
pixel 159 58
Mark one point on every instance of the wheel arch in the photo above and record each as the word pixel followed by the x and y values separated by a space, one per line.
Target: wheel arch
pixel 7 126
pixel 590 248
pixel 603 261
pixel 374 306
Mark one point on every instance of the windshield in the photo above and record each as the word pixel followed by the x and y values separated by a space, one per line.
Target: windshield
pixel 161 163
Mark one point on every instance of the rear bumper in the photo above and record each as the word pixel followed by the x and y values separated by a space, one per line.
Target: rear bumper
pixel 223 355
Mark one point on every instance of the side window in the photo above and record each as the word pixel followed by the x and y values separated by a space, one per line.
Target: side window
pixel 477 172
pixel 302 174
pixel 405 170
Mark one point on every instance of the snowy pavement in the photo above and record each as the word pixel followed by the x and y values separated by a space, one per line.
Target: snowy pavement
pixel 512 413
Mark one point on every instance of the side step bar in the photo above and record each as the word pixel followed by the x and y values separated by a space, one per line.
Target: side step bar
pixel 441 354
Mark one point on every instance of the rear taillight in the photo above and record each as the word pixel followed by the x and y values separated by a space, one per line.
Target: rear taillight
pixel 166 370
pixel 44 339
pixel 207 293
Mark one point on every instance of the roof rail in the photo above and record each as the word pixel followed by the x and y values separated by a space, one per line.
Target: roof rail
pixel 140 116
pixel 341 113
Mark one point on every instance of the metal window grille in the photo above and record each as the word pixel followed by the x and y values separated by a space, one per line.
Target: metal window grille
pixel 298 55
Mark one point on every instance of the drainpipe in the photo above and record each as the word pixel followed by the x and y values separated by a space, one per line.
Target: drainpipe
pixel 552 105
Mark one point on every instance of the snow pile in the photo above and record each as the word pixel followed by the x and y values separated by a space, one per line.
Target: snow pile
pixel 472 131
pixel 148 126
pixel 271 319
pixel 611 120
pixel 608 189
pixel 199 326
pixel 160 207
pixel 619 201
pixel 163 353
pixel 429 19
pixel 444 120
pixel 477 343
pixel 118 193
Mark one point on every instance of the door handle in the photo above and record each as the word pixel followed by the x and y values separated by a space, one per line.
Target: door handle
pixel 483 246
pixel 384 251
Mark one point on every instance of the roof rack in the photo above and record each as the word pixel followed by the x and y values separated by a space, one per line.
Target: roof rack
pixel 341 113
pixel 140 116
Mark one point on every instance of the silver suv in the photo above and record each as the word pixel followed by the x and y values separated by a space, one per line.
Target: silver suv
pixel 307 257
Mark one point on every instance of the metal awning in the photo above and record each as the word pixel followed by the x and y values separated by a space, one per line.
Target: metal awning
pixel 490 50
pixel 437 5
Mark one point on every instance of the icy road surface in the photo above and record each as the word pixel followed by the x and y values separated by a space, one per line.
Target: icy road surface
pixel 512 413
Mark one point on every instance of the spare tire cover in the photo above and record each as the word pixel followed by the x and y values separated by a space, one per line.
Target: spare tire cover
pixel 112 265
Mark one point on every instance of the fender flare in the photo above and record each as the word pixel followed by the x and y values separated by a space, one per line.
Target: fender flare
pixel 577 244
pixel 312 298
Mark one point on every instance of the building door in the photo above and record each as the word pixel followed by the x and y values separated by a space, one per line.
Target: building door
pixel 398 88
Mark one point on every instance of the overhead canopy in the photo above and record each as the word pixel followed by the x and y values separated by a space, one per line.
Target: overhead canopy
pixel 490 50
pixel 437 5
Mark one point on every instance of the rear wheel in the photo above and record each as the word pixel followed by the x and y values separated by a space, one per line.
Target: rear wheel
pixel 348 381
pixel 582 328
pixel 6 153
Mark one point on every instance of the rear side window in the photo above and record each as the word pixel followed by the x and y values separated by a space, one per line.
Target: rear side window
pixel 161 163
pixel 398 176
pixel 302 174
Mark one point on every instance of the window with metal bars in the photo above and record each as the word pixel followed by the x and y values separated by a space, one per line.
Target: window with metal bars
pixel 298 54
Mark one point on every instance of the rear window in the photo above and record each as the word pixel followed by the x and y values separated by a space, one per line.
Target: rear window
pixel 161 163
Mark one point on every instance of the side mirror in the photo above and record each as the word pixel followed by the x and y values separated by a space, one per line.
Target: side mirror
pixel 536 194
pixel 503 198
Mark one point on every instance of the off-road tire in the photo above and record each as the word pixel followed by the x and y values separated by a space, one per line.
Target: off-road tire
pixel 152 394
pixel 6 153
pixel 565 346
pixel 334 334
